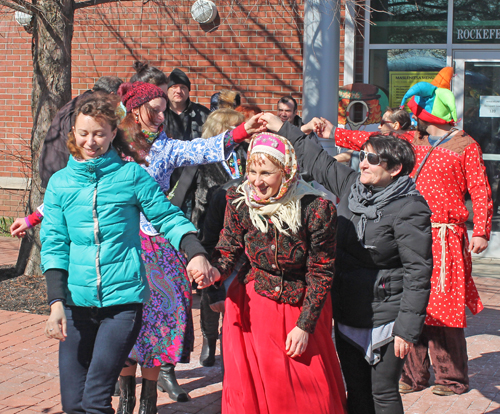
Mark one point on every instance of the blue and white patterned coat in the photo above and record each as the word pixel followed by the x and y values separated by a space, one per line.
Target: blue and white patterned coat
pixel 167 154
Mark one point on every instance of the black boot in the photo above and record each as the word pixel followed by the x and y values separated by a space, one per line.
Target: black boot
pixel 207 356
pixel 209 323
pixel 168 383
pixel 117 389
pixel 127 395
pixel 149 396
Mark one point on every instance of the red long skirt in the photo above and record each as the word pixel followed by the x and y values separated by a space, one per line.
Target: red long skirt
pixel 259 377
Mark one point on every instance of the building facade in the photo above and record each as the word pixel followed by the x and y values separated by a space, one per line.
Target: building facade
pixel 257 49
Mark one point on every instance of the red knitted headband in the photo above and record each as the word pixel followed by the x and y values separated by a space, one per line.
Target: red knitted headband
pixel 138 93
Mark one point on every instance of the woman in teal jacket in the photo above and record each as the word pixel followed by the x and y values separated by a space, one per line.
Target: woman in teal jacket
pixel 91 255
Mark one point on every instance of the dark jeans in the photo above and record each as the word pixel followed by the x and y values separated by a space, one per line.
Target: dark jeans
pixel 93 354
pixel 448 350
pixel 370 388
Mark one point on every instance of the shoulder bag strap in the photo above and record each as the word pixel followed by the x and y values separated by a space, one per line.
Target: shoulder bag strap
pixel 439 141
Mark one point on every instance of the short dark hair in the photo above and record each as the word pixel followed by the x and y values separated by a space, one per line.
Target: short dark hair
pixel 287 99
pixel 108 84
pixel 401 116
pixel 394 151
pixel 149 74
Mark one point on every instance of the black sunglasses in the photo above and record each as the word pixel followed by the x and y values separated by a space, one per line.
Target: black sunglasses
pixel 371 157
pixel 383 122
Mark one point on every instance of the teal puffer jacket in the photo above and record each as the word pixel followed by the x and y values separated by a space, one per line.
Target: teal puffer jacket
pixel 91 229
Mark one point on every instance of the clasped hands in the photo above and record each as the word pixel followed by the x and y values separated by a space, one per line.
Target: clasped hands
pixel 201 271
pixel 321 126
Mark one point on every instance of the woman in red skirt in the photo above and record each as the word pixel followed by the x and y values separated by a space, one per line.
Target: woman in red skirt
pixel 279 356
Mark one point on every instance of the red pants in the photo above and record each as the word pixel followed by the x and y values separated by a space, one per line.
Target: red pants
pixel 448 351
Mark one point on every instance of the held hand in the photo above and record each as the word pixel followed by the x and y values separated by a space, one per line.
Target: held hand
pixel 204 280
pixel 401 347
pixel 272 122
pixel 296 342
pixel 200 263
pixel 55 328
pixel 19 227
pixel 478 245
pixel 316 124
pixel 327 131
pixel 254 125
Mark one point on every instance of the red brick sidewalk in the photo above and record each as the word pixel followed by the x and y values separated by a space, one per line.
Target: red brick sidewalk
pixel 29 376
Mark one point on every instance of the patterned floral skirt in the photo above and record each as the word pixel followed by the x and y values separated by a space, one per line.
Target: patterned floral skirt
pixel 167 334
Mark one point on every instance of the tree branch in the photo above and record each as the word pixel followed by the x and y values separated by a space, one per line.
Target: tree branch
pixel 15 7
pixel 32 9
pixel 88 3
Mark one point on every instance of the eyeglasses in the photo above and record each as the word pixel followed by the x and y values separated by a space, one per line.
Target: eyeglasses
pixel 371 157
pixel 383 122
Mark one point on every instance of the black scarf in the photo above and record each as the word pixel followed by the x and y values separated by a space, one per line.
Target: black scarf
pixel 369 203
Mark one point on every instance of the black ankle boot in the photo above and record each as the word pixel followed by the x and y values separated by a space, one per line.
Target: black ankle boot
pixel 117 389
pixel 207 356
pixel 149 397
pixel 127 395
pixel 168 383
pixel 209 323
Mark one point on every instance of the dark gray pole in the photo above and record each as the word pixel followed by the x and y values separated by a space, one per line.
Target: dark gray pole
pixel 321 59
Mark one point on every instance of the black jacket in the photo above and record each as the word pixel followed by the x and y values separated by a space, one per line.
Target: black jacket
pixel 373 287
pixel 185 126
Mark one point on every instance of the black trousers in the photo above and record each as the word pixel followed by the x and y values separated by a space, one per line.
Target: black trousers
pixel 93 354
pixel 371 389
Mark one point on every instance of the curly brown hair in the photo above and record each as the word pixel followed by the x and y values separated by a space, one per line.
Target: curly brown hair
pixel 129 140
pixel 99 105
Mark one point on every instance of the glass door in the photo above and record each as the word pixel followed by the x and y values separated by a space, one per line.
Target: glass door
pixel 476 86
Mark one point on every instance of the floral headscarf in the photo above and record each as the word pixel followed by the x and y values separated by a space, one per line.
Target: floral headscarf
pixel 284 207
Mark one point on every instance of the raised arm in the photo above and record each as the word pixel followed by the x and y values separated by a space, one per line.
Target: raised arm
pixel 169 153
pixel 313 159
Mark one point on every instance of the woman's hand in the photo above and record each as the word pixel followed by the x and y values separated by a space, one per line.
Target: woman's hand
pixel 296 342
pixel 401 347
pixel 327 130
pixel 19 227
pixel 199 263
pixel 316 124
pixel 254 125
pixel 201 271
pixel 271 121
pixel 55 328
pixel 204 280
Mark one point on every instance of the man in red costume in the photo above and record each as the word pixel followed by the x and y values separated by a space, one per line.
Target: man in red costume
pixel 453 167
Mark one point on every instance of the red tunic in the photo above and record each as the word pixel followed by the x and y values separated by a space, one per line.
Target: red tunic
pixel 453 169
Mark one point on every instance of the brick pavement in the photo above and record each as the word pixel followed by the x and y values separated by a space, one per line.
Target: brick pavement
pixel 29 378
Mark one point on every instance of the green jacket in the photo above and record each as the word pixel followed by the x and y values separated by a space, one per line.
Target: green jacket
pixel 91 229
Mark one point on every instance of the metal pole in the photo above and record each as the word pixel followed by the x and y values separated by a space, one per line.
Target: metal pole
pixel 321 59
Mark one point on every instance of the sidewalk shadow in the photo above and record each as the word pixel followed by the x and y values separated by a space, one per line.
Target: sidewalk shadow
pixel 483 335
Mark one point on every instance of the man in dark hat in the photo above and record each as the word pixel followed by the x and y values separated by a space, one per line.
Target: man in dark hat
pixel 184 118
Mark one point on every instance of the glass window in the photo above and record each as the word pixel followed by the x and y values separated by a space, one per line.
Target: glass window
pixel 476 21
pixel 409 22
pixel 396 70
pixel 482 121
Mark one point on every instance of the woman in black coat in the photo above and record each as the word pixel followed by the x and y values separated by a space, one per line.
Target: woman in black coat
pixel 384 262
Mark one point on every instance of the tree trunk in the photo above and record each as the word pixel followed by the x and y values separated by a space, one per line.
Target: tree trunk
pixel 51 50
